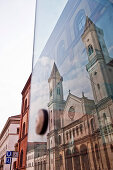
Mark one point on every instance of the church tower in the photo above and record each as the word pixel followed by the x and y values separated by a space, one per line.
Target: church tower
pixel 56 101
pixel 99 69
pixel 55 108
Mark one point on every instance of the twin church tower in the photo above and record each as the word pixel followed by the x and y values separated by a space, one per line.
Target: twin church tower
pixel 100 69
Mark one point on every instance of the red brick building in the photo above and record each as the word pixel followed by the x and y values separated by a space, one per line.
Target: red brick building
pixel 22 142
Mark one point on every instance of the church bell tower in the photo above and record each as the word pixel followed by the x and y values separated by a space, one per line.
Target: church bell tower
pixel 56 101
pixel 99 70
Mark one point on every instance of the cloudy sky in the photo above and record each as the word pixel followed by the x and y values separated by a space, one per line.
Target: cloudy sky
pixel 16 46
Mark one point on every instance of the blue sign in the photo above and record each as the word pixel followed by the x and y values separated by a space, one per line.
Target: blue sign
pixel 9 154
pixel 8 160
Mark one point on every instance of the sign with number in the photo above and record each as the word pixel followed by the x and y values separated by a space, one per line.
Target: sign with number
pixel 15 154
pixel 8 160
pixel 9 154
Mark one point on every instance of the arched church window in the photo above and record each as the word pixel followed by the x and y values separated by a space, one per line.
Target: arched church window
pixel 76 158
pixel 70 134
pixel 68 152
pixel 73 132
pixel 58 91
pixel 67 135
pixel 90 50
pixel 71 112
pixel 77 131
pixel 69 164
pixel 61 52
pixel 84 157
pixel 98 86
pixel 79 23
pixel 81 128
pixel 95 73
pixel 59 138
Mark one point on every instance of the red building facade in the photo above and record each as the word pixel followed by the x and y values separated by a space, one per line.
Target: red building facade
pixel 22 142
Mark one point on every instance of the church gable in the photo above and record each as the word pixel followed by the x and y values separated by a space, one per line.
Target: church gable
pixel 73 109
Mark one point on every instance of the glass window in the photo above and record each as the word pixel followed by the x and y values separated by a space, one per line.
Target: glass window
pixel 58 91
pixel 72 81
pixel 90 50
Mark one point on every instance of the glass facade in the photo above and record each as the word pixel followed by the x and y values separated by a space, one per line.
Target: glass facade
pixel 72 86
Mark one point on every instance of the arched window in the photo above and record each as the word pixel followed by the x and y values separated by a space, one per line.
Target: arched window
pixel 76 158
pixel 106 128
pixel 98 86
pixel 67 135
pixel 58 91
pixel 69 165
pixel 61 52
pixel 21 158
pixel 73 132
pixel 77 130
pixel 84 157
pixel 23 131
pixel 59 138
pixel 25 106
pixel 90 50
pixel 70 134
pixel 68 152
pixel 81 128
pixel 79 23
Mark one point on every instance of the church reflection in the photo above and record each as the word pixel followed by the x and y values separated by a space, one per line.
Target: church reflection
pixel 81 129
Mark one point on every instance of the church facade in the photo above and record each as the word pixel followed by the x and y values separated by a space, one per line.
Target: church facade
pixel 80 129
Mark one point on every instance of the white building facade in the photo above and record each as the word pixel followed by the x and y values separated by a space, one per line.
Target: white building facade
pixel 8 138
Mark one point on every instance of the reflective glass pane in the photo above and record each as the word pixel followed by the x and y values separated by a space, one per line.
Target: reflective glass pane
pixel 71 93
